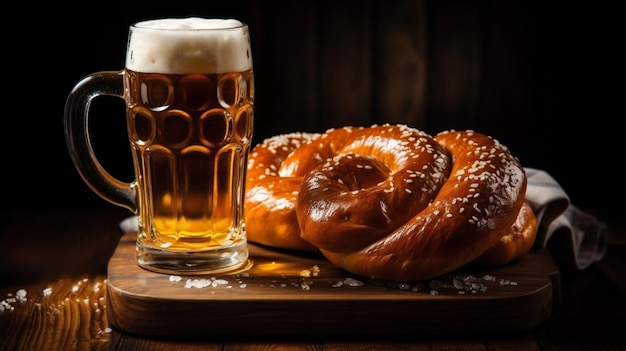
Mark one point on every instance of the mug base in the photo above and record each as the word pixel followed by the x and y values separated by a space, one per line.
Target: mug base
pixel 225 260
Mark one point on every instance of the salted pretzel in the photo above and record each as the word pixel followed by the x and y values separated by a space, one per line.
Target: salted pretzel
pixel 270 201
pixel 516 243
pixel 386 202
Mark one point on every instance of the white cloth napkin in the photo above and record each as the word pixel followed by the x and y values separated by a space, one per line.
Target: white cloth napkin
pixel 587 237
pixel 129 225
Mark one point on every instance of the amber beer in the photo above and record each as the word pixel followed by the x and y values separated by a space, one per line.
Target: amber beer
pixel 189 91
pixel 190 135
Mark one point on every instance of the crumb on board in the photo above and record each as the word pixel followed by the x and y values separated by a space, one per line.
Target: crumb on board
pixel 460 284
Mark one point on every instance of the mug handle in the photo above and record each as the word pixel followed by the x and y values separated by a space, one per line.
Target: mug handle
pixel 76 124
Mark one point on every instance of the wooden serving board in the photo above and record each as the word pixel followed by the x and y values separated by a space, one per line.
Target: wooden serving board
pixel 295 295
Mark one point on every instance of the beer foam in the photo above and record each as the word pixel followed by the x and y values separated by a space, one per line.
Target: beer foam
pixel 189 45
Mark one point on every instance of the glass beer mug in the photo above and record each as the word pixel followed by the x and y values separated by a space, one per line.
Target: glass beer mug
pixel 188 87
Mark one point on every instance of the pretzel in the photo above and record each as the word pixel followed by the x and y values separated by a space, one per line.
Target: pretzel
pixel 270 201
pixel 515 244
pixel 386 202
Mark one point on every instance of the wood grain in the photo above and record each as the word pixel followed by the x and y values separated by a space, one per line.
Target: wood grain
pixel 285 294
pixel 590 309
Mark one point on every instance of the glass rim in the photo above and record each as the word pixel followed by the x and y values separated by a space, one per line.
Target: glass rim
pixel 138 25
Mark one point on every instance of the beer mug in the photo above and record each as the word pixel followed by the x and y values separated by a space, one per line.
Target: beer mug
pixel 188 87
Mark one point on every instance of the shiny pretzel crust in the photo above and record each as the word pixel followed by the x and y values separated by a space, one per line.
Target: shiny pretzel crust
pixel 388 202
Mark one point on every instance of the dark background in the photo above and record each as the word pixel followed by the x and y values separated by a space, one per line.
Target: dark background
pixel 538 76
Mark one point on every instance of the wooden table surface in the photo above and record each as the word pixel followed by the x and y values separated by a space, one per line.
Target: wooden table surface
pixel 53 278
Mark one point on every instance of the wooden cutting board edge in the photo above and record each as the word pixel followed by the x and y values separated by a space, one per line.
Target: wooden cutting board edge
pixel 275 298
